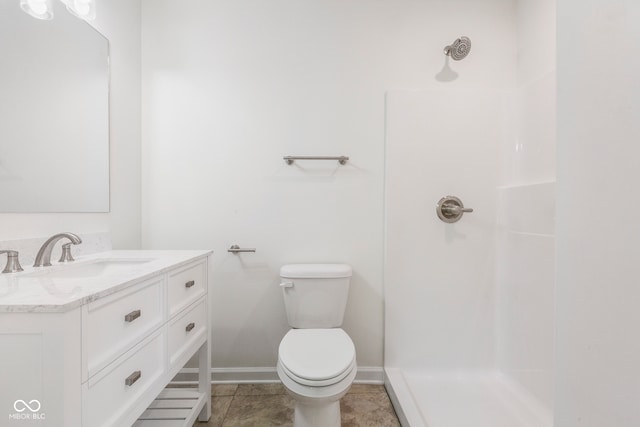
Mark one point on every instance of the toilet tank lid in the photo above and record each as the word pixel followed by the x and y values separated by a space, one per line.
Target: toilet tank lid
pixel 311 271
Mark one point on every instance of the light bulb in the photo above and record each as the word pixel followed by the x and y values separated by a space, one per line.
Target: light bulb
pixel 41 9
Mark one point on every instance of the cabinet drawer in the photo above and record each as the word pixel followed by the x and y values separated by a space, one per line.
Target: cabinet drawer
pixel 186 285
pixel 111 393
pixel 116 323
pixel 186 328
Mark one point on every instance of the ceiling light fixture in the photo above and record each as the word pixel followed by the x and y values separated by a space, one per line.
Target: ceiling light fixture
pixel 83 9
pixel 40 9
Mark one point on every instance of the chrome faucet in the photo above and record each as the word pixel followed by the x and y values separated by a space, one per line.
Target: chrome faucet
pixel 44 254
pixel 13 264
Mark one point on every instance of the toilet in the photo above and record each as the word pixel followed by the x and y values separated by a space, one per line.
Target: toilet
pixel 316 358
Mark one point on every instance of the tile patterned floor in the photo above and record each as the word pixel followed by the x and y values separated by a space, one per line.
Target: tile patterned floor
pixel 268 405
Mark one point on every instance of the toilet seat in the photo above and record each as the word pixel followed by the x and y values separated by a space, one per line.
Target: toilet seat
pixel 317 357
pixel 316 383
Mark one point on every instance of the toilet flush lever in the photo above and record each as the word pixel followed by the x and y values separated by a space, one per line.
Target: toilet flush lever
pixel 286 285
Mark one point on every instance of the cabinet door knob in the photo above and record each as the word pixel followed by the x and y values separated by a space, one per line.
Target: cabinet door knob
pixel 132 316
pixel 190 326
pixel 131 379
pixel 190 283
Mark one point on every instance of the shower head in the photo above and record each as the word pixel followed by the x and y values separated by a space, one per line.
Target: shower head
pixel 459 49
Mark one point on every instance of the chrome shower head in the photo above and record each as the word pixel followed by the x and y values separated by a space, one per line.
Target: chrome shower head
pixel 459 49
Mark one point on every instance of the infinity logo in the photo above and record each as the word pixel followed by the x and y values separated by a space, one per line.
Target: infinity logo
pixel 24 405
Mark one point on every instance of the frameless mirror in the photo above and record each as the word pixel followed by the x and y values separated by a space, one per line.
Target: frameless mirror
pixel 54 113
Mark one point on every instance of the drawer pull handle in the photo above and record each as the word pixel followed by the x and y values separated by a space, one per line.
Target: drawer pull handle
pixel 131 379
pixel 190 326
pixel 132 316
pixel 190 283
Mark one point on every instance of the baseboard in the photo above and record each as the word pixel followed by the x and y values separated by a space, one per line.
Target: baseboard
pixel 244 375
pixel 365 375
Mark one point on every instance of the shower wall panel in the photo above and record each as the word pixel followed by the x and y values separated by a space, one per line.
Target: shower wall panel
pixel 439 278
pixel 526 210
pixel 525 287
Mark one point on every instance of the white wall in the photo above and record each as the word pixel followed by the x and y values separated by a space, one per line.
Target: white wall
pixel 119 21
pixel 230 87
pixel 526 209
pixel 597 315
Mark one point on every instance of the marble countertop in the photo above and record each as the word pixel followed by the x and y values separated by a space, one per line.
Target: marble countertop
pixel 63 287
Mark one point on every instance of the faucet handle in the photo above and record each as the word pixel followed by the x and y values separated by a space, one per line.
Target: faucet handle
pixel 13 263
pixel 66 253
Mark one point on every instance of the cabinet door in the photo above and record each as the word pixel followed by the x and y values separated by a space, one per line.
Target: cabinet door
pixel 40 372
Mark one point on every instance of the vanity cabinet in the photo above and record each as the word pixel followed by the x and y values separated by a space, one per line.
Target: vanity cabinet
pixel 107 361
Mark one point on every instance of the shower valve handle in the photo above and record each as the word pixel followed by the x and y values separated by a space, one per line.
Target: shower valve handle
pixel 455 210
pixel 450 209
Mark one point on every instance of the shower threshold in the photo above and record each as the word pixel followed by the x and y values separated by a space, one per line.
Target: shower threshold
pixel 463 399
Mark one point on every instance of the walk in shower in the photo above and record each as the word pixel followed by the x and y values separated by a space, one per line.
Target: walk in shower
pixel 469 304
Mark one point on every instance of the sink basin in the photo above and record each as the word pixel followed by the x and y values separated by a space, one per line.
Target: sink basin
pixel 93 269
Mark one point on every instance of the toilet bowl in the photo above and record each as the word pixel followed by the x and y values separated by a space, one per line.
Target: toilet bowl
pixel 316 359
pixel 317 368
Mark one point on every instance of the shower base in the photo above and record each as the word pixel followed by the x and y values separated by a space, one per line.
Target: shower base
pixel 463 399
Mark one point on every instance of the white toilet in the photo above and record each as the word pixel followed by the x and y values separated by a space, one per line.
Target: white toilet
pixel 316 359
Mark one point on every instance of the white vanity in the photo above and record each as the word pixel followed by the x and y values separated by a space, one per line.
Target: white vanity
pixel 96 341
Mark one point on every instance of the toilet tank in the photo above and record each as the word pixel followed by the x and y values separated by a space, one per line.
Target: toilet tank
pixel 315 295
